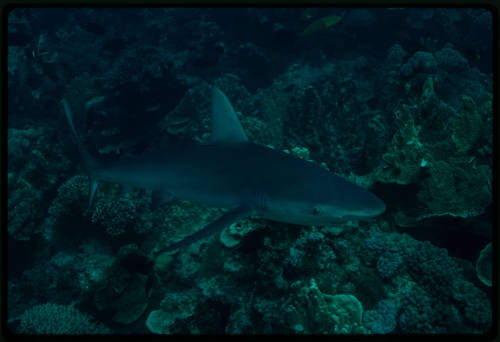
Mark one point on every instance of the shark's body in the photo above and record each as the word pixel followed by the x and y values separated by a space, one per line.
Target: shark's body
pixel 231 172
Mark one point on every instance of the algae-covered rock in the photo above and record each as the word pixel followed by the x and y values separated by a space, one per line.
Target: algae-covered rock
pixel 451 60
pixel 234 233
pixel 180 219
pixel 405 152
pixel 468 126
pixel 189 118
pixel 459 187
pixel 71 198
pixel 36 164
pixel 154 321
pixel 423 61
pixel 133 301
pixel 456 181
pixel 22 207
pixel 310 311
pixel 127 288
pixel 476 304
pixel 381 320
pixel 484 265
pixel 176 306
pixel 402 219
pixel 162 263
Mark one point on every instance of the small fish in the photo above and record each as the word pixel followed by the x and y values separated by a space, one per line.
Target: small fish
pixel 320 24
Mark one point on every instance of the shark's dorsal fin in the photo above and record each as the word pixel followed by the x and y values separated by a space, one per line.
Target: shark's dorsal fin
pixel 226 127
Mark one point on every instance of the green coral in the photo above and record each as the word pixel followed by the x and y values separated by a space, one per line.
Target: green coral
pixel 188 119
pixel 459 187
pixel 457 177
pixel 133 301
pixel 310 311
pixel 476 305
pixel 174 307
pixel 468 126
pixel 71 197
pixel 180 219
pixel 114 213
pixel 484 265
pixel 35 165
pixel 112 209
pixel 405 153
pixel 306 122
pixel 58 319
pixel 22 204
pixel 234 233
pixel 124 293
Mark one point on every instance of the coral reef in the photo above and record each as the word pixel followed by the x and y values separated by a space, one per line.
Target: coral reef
pixel 58 319
pixel 388 263
pixel 484 265
pixel 32 153
pixel 406 112
pixel 309 310
pixel 175 306
pixel 116 214
pixel 381 320
pixel 125 291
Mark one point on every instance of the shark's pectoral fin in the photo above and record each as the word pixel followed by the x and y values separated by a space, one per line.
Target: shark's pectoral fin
pixel 88 160
pixel 160 197
pixel 214 227
pixel 93 184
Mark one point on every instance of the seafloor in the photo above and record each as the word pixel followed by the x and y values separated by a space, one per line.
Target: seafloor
pixel 396 100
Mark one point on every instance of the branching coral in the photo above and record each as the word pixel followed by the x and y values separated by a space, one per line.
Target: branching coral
pixel 34 169
pixel 114 213
pixel 56 319
pixel 71 195
pixel 474 302
pixel 388 263
pixel 381 320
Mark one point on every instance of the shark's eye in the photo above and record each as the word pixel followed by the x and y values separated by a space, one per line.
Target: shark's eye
pixel 316 211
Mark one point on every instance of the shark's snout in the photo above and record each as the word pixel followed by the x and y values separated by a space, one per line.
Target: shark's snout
pixel 369 205
pixel 380 207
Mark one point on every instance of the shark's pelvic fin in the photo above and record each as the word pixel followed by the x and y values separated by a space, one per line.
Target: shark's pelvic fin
pixel 226 127
pixel 214 227
pixel 93 185
pixel 89 161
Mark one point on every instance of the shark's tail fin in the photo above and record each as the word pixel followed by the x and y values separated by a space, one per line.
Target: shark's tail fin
pixel 89 161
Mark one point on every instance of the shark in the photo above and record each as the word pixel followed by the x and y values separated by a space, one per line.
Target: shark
pixel 229 171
